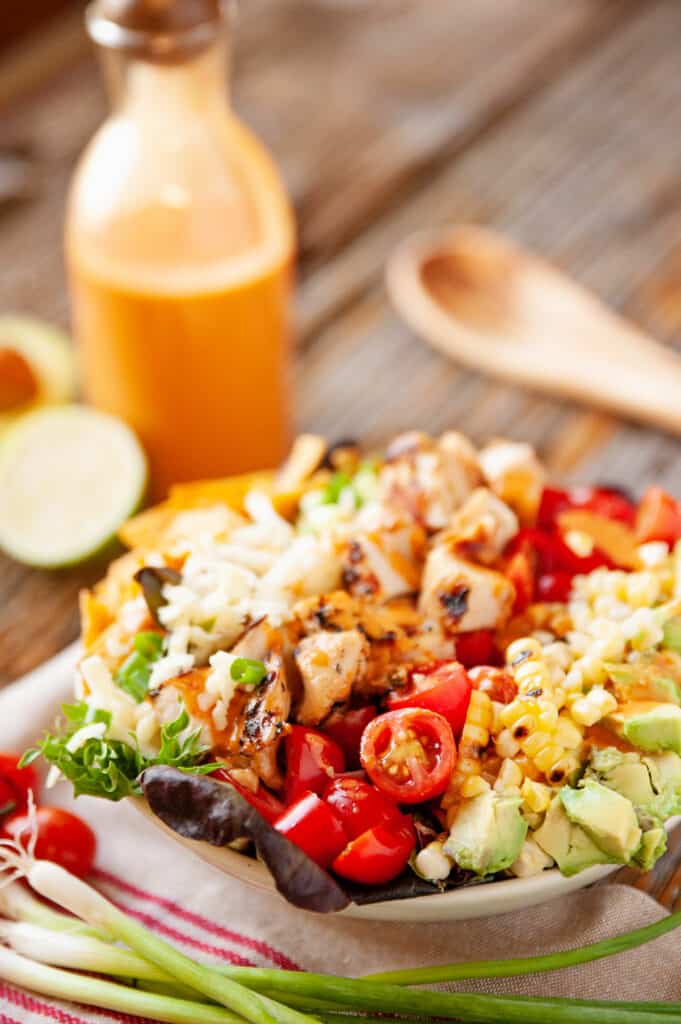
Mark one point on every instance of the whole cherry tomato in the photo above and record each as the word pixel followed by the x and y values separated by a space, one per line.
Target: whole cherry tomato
pixel 360 806
pixel 409 754
pixel 15 783
pixel 377 855
pixel 313 826
pixel 265 803
pixel 443 687
pixel 63 838
pixel 312 760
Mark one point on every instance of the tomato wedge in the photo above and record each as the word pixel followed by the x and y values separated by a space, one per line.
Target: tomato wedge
pixel 62 837
pixel 312 760
pixel 409 754
pixel 443 687
pixel 314 827
pixel 264 802
pixel 360 806
pixel 658 517
pixel 346 728
pixel 377 855
pixel 15 783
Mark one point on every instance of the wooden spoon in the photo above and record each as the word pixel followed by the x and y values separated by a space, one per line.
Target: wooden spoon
pixel 492 305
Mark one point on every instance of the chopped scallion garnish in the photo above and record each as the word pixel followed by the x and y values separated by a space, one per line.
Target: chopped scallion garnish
pixel 248 671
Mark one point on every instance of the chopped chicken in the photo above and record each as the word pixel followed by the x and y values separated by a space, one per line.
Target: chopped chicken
pixel 329 665
pixel 514 472
pixel 463 596
pixel 428 479
pixel 482 527
pixel 384 563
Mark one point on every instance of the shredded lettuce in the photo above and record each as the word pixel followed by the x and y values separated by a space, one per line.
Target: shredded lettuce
pixel 110 768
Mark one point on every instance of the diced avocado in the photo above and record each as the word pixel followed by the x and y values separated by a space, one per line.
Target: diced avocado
pixel 656 676
pixel 653 845
pixel 651 727
pixel 665 774
pixel 487 834
pixel 626 774
pixel 606 816
pixel 568 844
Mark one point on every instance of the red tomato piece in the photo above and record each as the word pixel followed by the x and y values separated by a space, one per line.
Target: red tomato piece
pixel 377 855
pixel 63 838
pixel 554 500
pixel 443 687
pixel 658 517
pixel 265 803
pixel 554 586
pixel 360 806
pixel 602 501
pixel 475 648
pixel 312 759
pixel 497 683
pixel 409 754
pixel 15 783
pixel 314 827
pixel 346 728
pixel 520 571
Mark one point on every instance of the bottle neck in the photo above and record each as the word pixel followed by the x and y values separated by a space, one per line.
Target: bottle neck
pixel 197 85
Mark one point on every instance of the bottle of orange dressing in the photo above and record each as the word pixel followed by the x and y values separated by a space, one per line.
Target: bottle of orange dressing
pixel 180 247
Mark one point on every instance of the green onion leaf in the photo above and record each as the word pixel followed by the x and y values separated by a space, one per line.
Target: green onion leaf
pixel 248 672
pixel 149 645
pixel 134 674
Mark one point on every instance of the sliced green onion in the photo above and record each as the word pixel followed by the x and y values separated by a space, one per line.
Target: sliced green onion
pixel 149 644
pixel 134 674
pixel 248 672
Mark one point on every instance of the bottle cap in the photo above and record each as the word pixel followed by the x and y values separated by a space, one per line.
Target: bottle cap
pixel 159 30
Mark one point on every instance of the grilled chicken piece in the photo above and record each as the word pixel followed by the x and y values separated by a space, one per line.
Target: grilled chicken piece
pixel 481 528
pixel 329 664
pixel 428 479
pixel 461 596
pixel 260 717
pixel 514 472
pixel 384 563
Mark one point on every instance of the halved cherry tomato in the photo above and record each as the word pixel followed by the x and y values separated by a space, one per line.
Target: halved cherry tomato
pixel 475 648
pixel 346 728
pixel 314 827
pixel 264 802
pixel 409 754
pixel 377 855
pixel 497 683
pixel 360 806
pixel 603 501
pixel 63 838
pixel 443 687
pixel 658 517
pixel 312 759
pixel 554 586
pixel 15 783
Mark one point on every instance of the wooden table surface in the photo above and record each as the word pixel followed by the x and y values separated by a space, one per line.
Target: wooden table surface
pixel 559 123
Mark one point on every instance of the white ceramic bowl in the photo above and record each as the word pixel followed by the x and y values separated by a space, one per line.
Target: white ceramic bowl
pixel 456 905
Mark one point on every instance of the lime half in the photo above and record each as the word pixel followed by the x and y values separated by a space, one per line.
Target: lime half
pixel 69 476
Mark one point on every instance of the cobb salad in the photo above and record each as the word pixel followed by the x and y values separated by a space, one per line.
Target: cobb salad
pixel 398 672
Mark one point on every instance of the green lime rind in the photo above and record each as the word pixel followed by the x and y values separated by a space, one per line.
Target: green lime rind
pixel 69 477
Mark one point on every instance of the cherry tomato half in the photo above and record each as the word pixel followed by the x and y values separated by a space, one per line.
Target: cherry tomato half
pixel 346 728
pixel 264 802
pixel 475 648
pixel 658 517
pixel 360 806
pixel 377 855
pixel 312 759
pixel 520 570
pixel 602 501
pixel 15 783
pixel 63 838
pixel 554 586
pixel 497 683
pixel 409 754
pixel 314 827
pixel 443 687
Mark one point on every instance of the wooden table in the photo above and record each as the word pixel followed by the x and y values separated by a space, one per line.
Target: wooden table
pixel 559 123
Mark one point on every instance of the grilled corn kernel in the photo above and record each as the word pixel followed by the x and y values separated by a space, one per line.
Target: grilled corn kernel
pixel 510 777
pixel 592 706
pixel 473 786
pixel 505 745
pixel 536 796
pixel 567 733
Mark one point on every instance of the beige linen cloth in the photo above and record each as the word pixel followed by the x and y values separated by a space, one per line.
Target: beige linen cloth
pixel 212 917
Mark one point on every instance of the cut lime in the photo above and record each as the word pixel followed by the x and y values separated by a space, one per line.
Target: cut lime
pixel 69 476
pixel 46 353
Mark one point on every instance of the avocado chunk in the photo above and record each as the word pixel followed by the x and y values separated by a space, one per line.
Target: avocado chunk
pixel 650 726
pixel 627 774
pixel 487 834
pixel 606 816
pixel 653 845
pixel 665 774
pixel 655 676
pixel 568 844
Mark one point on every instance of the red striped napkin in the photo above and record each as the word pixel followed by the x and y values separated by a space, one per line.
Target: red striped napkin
pixel 215 918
